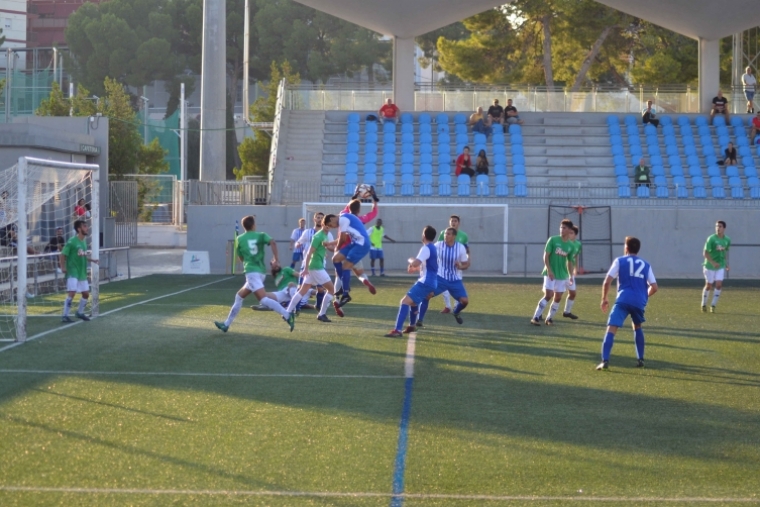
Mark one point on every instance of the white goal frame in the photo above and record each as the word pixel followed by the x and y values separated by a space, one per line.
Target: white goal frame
pixel 21 298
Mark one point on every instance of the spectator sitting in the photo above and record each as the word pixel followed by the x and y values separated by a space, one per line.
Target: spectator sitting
pixel 79 209
pixel 464 163
pixel 512 116
pixel 649 113
pixel 750 83
pixel 481 163
pixel 730 155
pixel 480 122
pixel 496 113
pixel 720 106
pixel 13 241
pixel 641 174
pixel 389 112
pixel 57 242
pixel 755 127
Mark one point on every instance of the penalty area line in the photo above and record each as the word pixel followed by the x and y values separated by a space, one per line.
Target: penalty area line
pixel 336 494
pixel 192 374
pixel 51 331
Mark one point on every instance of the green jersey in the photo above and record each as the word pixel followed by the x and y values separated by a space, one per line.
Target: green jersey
pixel 461 237
pixel 318 257
pixel 75 252
pixel 284 277
pixel 577 250
pixel 717 248
pixel 376 236
pixel 559 252
pixel 250 247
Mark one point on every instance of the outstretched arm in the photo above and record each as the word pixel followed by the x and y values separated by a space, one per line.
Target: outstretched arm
pixel 273 246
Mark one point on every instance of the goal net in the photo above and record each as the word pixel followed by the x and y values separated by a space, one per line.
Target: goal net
pixel 39 202
pixel 595 225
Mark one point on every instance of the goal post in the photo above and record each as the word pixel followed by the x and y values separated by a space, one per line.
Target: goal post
pixel 38 198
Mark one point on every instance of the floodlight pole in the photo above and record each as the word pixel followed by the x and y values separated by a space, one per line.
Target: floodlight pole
pixel 213 100
pixel 246 58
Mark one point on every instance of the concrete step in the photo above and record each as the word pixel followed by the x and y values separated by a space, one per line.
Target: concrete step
pixel 562 121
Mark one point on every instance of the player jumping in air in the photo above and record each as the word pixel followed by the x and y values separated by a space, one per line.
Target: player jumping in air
pixel 715 265
pixel 558 264
pixel 636 284
pixel 353 246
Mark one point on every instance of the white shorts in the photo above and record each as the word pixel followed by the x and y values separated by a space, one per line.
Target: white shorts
pixel 285 295
pixel 74 285
pixel 555 285
pixel 713 275
pixel 317 277
pixel 570 286
pixel 254 281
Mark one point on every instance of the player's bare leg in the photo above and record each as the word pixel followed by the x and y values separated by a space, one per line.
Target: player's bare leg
pixel 548 295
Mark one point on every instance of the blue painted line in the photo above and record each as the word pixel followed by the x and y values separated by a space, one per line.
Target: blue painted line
pixel 397 500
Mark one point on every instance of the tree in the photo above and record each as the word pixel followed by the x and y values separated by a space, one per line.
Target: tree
pixel 254 151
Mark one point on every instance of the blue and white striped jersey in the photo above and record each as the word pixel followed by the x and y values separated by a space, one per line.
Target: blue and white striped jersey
pixel 448 256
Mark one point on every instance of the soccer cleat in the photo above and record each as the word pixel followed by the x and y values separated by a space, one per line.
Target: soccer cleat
pixel 640 363
pixel 66 319
pixel 370 287
pixel 549 322
pixel 323 318
pixel 410 329
pixel 221 326
pixel 338 293
pixel 82 316
pixel 535 322
pixel 458 318
pixel 570 315
pixel 419 324
pixel 603 365
pixel 338 310
pixel 712 309
pixel 394 334
pixel 260 308
pixel 446 310
pixel 345 299
pixel 704 309
pixel 291 320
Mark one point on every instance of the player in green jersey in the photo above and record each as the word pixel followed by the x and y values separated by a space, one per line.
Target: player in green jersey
pixel 716 264
pixel 558 264
pixel 249 248
pixel 462 238
pixel 571 286
pixel 73 263
pixel 286 282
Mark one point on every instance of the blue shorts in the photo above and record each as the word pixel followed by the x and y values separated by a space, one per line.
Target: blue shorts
pixel 455 288
pixel 750 94
pixel 297 256
pixel 354 253
pixel 621 310
pixel 419 292
pixel 375 253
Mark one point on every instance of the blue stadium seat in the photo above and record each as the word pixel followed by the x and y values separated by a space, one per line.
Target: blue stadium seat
pixel 444 139
pixel 406 118
pixel 370 178
pixel 704 131
pixel 681 192
pixel 502 186
pixel 352 148
pixel 708 150
pixel 737 193
pixel 736 121
pixel 444 150
pixel 674 160
pixel 352 137
pixel 460 118
pixel 662 192
pixel 744 151
pixel 500 169
pixel 462 139
pixel 426 148
pixel 463 185
pixel 692 160
pixel 676 170
pixel 498 138
pixel 444 185
pixel 521 179
pixel 353 118
pixel 407 157
pixel 407 138
pixel 518 169
pixel 612 120
pixel 389 127
pixel 352 158
pixel 516 138
pixel 631 120
pixel 679 181
pixel 426 158
pixel 389 169
pixel 735 181
pixel 460 128
pixel 370 157
pixel 721 130
pixel 658 170
pixel 622 180
pixel 389 158
pixel 442 118
pixel 460 148
pixel 718 192
pixel 477 148
pixel 518 159
pixel 350 182
pixel 426 169
pixel 426 185
pixel 660 181
pixel 653 150
pixel 621 170
pixel 719 121
pixel 642 191
pixel 723 142
pixel 407 184
pixel 750 171
pixel 426 139
pixel 521 190
pixel 515 129
pixel 695 170
pixel 700 193
pixel 616 141
pixel 732 170
pixel 687 140
pixel 700 120
pixel 370 137
pixel 407 149
pixel 482 186
pixel 666 121
pixel 424 118
pixel 425 128
pixel 754 192
pixel 619 160
pixel 479 138
pixel 407 169
pixel 650 129
pixel 711 160
pixel 498 149
pixel 351 168
pixel 517 149
pixel 671 149
pixel 715 181
pixel 442 128
pixel 624 191
pixel 748 161
pixel 617 149
pixel 698 181
pixel 500 159
pixel 370 126
pixel 632 130
pixel 683 121
pixel 635 150
pixel 655 159
pixel 444 169
pixel 614 129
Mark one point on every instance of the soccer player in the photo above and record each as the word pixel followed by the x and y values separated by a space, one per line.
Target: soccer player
pixel 426 263
pixel 73 263
pixel 462 238
pixel 249 248
pixel 286 282
pixel 636 284
pixel 376 236
pixel 314 271
pixel 294 246
pixel 356 240
pixel 558 258
pixel 716 264
pixel 452 260
pixel 572 287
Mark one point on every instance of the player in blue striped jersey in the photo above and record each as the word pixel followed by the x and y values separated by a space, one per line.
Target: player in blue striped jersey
pixel 452 259
pixel 426 263
pixel 636 284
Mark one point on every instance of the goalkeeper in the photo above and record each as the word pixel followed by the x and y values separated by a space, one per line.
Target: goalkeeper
pixel 73 261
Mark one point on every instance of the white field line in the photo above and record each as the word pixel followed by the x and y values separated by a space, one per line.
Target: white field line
pixel 409 360
pixel 190 374
pixel 420 496
pixel 50 331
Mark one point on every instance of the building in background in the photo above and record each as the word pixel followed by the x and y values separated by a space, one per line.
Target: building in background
pixel 13 17
pixel 47 21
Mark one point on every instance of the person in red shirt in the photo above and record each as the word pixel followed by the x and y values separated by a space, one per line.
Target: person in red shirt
pixel 464 163
pixel 79 209
pixel 389 112
pixel 755 127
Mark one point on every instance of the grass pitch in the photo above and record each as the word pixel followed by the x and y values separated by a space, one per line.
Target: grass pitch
pixel 152 405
